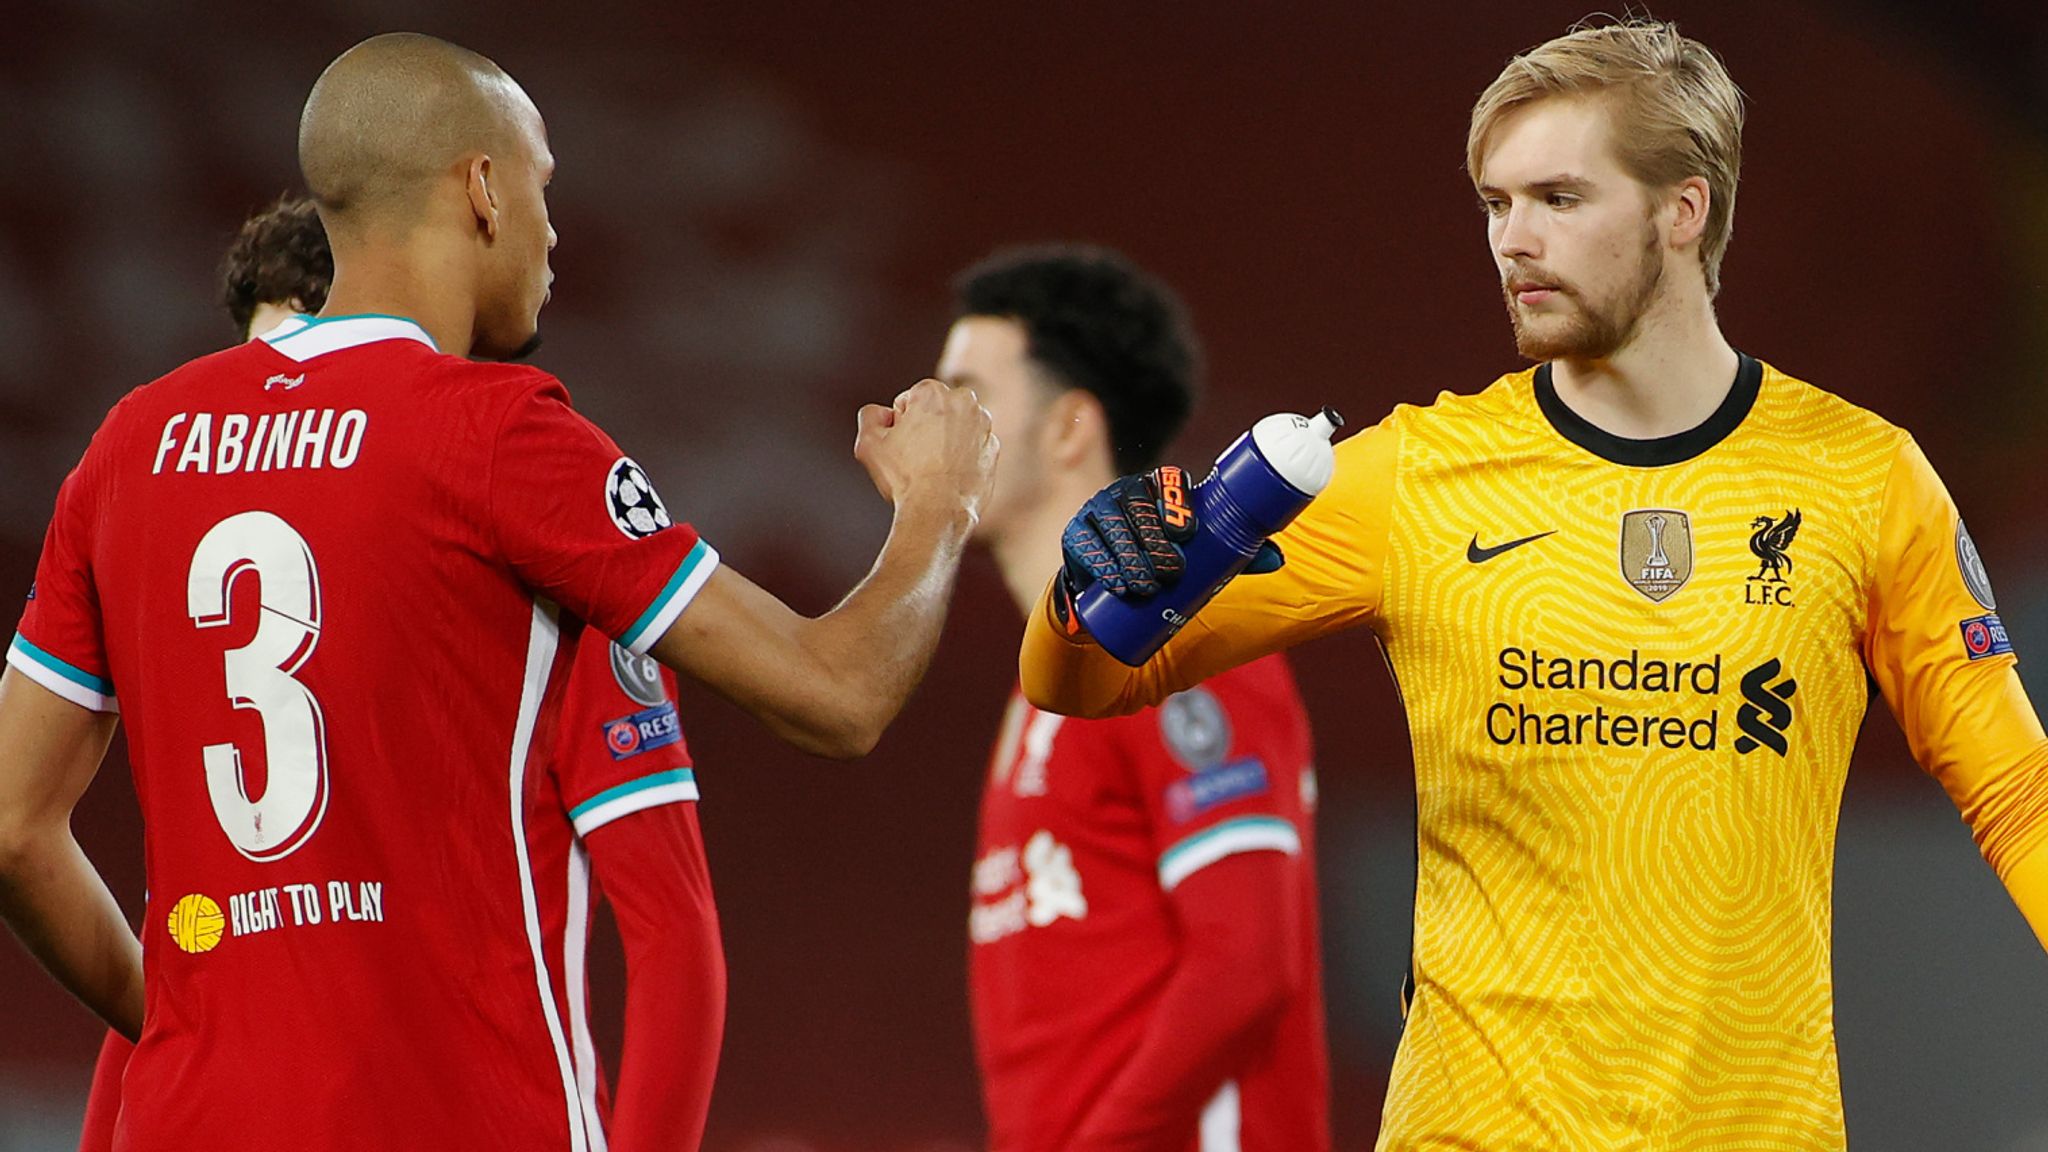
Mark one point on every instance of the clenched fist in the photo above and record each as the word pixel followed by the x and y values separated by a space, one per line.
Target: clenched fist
pixel 934 443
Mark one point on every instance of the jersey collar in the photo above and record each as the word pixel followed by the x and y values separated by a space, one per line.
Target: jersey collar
pixel 303 337
pixel 1664 450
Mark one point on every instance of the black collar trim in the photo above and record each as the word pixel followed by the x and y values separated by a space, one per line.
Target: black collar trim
pixel 1665 450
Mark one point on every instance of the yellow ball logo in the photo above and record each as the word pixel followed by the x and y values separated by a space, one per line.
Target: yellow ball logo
pixel 196 924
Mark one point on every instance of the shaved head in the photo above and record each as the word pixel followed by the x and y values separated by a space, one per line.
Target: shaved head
pixel 430 168
pixel 394 114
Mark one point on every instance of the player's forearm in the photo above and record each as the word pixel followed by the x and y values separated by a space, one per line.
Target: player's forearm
pixel 60 908
pixel 1237 974
pixel 675 1020
pixel 1072 675
pixel 2027 880
pixel 874 647
pixel 651 866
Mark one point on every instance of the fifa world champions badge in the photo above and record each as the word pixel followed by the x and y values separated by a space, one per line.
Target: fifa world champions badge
pixel 1656 551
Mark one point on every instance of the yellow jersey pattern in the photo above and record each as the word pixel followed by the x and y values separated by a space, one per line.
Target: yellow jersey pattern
pixel 1634 672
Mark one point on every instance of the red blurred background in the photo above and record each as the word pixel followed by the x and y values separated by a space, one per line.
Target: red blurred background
pixel 760 205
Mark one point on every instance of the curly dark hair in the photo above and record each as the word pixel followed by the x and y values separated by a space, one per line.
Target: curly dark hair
pixel 279 257
pixel 1095 321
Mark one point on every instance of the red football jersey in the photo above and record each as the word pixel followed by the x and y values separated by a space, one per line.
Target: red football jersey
pixel 333 578
pixel 618 750
pixel 1086 827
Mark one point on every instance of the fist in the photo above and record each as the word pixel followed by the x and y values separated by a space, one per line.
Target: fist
pixel 933 442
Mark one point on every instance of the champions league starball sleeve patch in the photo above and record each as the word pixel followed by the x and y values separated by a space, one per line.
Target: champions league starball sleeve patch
pixel 630 498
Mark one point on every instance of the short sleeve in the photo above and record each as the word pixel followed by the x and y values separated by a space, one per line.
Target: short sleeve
pixel 581 524
pixel 60 643
pixel 1938 652
pixel 620 744
pixel 1221 775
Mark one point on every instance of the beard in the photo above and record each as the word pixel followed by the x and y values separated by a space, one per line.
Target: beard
pixel 1594 330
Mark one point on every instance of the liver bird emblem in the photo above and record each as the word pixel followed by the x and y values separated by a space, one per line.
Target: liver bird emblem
pixel 1769 542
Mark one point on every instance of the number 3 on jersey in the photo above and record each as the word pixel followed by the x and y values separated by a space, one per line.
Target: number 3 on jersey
pixel 259 676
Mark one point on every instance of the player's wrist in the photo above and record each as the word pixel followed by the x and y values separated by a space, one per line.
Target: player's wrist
pixel 938 505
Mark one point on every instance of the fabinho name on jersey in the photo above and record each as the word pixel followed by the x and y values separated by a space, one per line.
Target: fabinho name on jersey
pixel 1673 725
pixel 234 442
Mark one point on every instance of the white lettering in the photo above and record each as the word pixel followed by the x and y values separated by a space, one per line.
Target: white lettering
pixel 169 441
pixel 995 872
pixel 988 923
pixel 348 437
pixel 251 912
pixel 198 443
pixel 228 453
pixel 277 451
pixel 373 900
pixel 312 435
pixel 1054 887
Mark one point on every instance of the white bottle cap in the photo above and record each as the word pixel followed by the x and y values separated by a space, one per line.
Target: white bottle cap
pixel 1298 447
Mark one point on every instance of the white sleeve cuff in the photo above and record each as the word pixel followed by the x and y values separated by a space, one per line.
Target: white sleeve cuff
pixel 1244 834
pixel 74 684
pixel 697 566
pixel 647 792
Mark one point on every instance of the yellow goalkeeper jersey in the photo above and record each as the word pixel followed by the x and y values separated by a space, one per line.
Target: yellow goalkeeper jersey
pixel 1633 673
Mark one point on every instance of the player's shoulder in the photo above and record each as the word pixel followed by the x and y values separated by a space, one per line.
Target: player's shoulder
pixel 1798 411
pixel 1508 403
pixel 188 385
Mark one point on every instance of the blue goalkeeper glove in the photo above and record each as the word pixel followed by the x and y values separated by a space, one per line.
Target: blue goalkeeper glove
pixel 1127 537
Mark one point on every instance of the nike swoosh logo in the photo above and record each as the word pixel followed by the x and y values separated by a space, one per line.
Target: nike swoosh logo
pixel 1478 555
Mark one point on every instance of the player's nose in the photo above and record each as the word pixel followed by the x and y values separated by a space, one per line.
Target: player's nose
pixel 1516 235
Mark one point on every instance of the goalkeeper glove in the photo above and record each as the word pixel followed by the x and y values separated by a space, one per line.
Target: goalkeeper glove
pixel 1128 538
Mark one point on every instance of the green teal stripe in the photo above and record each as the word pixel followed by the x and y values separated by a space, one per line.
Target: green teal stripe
pixel 690 562
pixel 675 776
pixel 1208 834
pixel 77 676
pixel 313 322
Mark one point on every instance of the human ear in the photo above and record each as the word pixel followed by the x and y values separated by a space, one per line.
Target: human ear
pixel 1076 427
pixel 482 201
pixel 1690 201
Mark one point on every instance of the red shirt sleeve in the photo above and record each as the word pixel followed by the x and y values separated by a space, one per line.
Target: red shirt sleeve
pixel 580 523
pixel 651 867
pixel 1224 769
pixel 60 644
pixel 1237 971
pixel 619 744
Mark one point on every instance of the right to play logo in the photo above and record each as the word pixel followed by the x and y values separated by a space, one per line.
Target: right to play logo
pixel 196 924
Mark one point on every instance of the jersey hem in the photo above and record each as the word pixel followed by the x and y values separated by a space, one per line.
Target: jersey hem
pixel 66 680
pixel 682 587
pixel 669 787
pixel 1244 834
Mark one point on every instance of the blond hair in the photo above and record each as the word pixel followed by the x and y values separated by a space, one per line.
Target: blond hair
pixel 1676 112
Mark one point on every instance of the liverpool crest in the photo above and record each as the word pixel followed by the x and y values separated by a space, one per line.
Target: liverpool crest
pixel 1769 541
pixel 1656 551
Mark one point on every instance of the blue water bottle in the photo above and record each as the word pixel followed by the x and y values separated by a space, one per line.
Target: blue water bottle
pixel 1260 484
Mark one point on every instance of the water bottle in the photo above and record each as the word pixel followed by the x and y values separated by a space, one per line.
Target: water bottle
pixel 1260 484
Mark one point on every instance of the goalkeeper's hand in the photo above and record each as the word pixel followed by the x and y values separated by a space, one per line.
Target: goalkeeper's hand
pixel 1127 538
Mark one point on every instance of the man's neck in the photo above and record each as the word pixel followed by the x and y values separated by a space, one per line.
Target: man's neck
pixel 1668 379
pixel 1028 552
pixel 393 283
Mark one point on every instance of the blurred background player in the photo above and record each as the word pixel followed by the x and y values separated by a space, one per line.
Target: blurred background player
pixel 347 927
pixel 619 751
pixel 1628 776
pixel 1145 968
